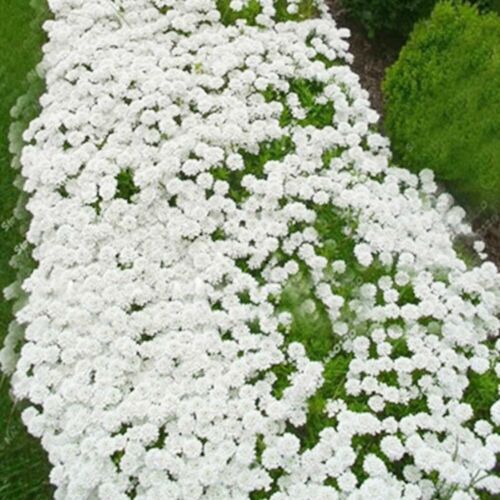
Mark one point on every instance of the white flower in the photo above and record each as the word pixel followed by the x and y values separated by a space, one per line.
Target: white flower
pixel 495 412
pixel 392 447
pixel 347 482
pixel 376 403
pixel 374 466
pixel 339 266
pixel 363 253
pixel 460 495
pixel 484 459
pixel 479 365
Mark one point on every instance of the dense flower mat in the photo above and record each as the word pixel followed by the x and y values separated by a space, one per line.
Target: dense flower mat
pixel 236 296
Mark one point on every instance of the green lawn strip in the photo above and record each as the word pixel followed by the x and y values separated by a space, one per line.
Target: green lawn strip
pixel 24 467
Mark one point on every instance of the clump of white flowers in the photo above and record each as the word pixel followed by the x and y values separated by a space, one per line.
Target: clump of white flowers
pixel 236 296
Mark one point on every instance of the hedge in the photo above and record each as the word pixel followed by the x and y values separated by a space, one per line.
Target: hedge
pixel 443 96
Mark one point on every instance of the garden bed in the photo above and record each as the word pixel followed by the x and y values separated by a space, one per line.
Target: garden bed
pixel 235 294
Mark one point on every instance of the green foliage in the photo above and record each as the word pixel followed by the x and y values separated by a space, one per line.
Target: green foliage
pixel 126 188
pixel 250 12
pixel 253 165
pixel 307 91
pixel 396 16
pixel 229 16
pixel 443 96
pixel 482 392
pixel 24 467
pixel 311 325
pixel 388 15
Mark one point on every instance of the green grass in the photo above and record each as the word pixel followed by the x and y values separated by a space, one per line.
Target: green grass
pixel 24 468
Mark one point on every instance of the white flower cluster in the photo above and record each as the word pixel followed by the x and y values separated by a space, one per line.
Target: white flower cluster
pixel 173 205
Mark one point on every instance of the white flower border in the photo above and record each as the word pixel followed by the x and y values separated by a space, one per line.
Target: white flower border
pixel 138 360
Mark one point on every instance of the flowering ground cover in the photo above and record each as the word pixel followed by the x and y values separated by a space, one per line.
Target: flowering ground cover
pixel 236 293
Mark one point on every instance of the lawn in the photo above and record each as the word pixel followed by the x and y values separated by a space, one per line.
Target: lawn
pixel 24 467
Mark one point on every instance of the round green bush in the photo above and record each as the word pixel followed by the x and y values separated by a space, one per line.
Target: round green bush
pixel 396 16
pixel 443 98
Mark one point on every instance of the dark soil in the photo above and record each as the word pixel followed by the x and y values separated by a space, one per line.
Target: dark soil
pixel 372 56
pixel 488 228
